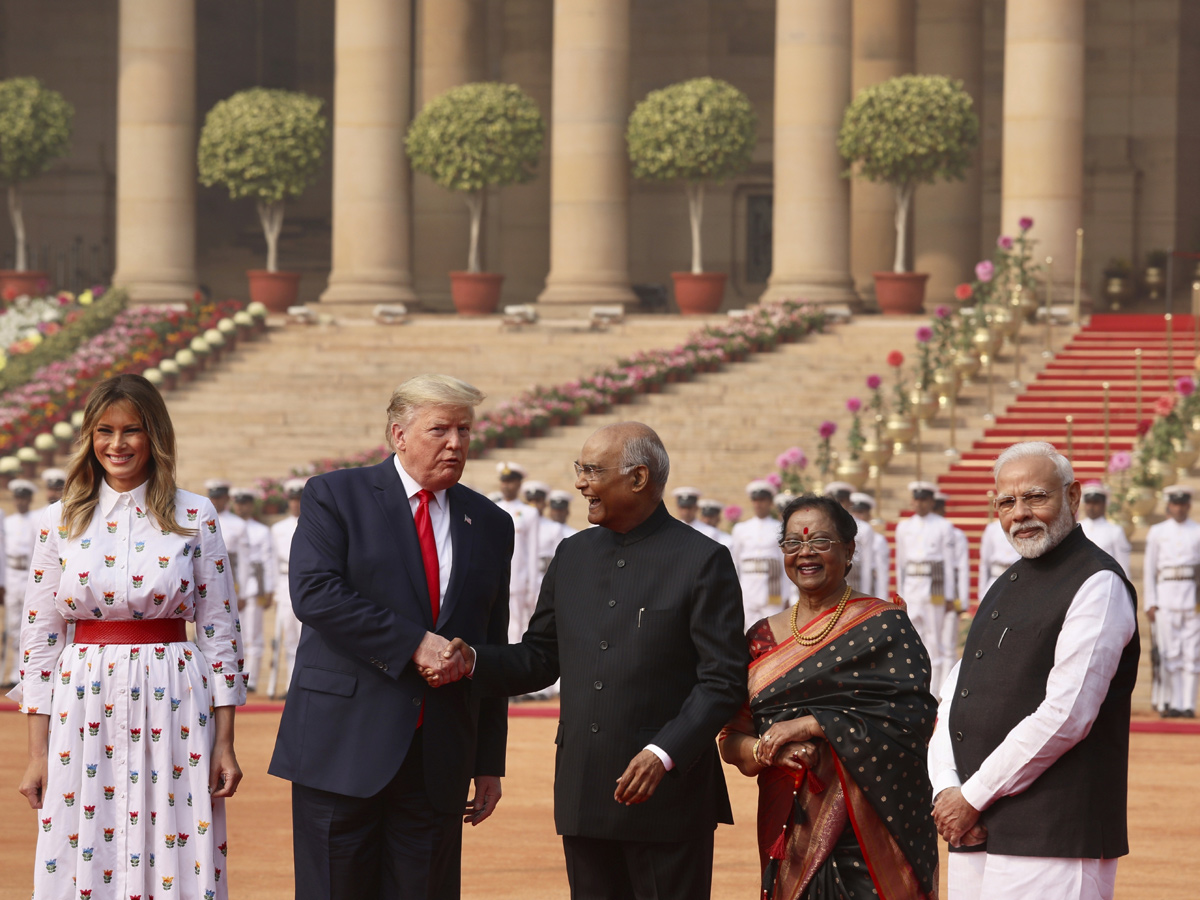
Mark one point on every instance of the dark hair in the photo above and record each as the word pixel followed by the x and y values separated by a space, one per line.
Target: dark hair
pixel 844 524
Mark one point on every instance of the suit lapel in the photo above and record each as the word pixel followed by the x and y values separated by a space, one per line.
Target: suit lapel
pixel 462 537
pixel 393 501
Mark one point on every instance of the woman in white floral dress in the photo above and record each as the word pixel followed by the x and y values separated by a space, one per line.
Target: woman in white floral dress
pixel 130 727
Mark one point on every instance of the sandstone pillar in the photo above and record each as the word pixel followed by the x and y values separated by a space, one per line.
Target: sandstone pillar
pixel 948 215
pixel 156 151
pixel 1043 126
pixel 589 197
pixel 883 48
pixel 811 215
pixel 450 52
pixel 371 107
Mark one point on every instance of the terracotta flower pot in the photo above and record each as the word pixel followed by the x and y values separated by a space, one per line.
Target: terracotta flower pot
pixel 475 293
pixel 13 283
pixel 900 293
pixel 274 290
pixel 699 295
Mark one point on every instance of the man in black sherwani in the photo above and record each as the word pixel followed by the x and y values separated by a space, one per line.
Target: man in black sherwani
pixel 642 620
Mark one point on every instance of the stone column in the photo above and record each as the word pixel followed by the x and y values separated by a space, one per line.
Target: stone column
pixel 450 52
pixel 156 151
pixel 948 215
pixel 810 247
pixel 883 48
pixel 371 106
pixel 1043 127
pixel 589 195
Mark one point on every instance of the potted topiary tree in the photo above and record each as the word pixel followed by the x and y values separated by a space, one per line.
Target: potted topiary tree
pixel 469 139
pixel 695 132
pixel 265 144
pixel 35 130
pixel 907 131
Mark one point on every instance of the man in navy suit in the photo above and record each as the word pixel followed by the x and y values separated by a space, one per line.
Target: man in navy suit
pixel 388 562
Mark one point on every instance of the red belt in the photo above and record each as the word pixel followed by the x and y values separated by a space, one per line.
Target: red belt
pixel 130 631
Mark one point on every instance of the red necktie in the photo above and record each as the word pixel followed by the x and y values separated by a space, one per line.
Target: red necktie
pixel 429 558
pixel 429 554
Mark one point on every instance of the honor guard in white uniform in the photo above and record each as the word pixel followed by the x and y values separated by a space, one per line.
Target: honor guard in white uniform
pixel 287 626
pixel 1171 568
pixel 860 576
pixel 758 558
pixel 687 505
pixel 521 581
pixel 552 530
pixel 996 554
pixel 53 480
pixel 960 601
pixel 876 579
pixel 546 532
pixel 20 536
pixel 709 522
pixel 925 572
pixel 233 529
pixel 1108 536
pixel 535 493
pixel 256 569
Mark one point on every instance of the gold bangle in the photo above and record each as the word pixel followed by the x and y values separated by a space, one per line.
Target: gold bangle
pixel 757 758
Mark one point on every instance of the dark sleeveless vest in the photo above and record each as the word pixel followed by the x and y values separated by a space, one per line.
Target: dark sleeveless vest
pixel 1076 808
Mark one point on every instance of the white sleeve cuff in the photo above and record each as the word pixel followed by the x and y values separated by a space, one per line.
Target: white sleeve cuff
pixel 663 755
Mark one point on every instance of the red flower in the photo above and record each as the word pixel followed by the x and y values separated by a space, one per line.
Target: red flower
pixel 1143 426
pixel 963 291
pixel 895 359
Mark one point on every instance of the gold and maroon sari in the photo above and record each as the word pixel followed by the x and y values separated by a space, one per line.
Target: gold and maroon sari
pixel 858 824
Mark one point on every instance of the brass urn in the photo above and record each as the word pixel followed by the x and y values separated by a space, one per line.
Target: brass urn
pixel 924 403
pixel 900 429
pixel 854 471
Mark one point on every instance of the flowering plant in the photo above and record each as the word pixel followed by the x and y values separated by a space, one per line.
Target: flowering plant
pixel 732 513
pixel 791 476
pixel 895 359
pixel 875 386
pixel 826 430
pixel 854 437
pixel 924 357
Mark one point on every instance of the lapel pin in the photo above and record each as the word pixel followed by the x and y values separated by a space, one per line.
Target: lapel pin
pixel 467 519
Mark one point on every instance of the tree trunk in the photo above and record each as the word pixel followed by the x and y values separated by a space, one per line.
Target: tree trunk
pixel 475 205
pixel 904 194
pixel 695 193
pixel 271 217
pixel 18 225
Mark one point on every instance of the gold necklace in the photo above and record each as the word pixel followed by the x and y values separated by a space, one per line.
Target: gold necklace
pixel 809 640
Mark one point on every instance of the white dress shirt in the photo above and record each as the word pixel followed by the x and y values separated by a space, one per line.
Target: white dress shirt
pixel 1098 625
pixel 1109 537
pixel 439 518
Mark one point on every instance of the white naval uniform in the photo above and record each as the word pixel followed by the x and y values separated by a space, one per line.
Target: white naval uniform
pixel 233 532
pixel 19 537
pixel 1170 569
pixel 256 569
pixel 759 561
pixel 1109 537
pixel 882 559
pixel 288 627
pixel 995 555
pixel 861 575
pixel 1098 624
pixel 957 603
pixel 713 532
pixel 923 545
pixel 522 579
pixel 547 535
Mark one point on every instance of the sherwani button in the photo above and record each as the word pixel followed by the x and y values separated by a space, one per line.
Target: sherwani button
pixel 964 692
pixel 995 613
pixel 958 736
pixel 599 685
pixel 604 645
pixel 595 728
pixel 416 701
pixel 612 602
pixel 978 653
pixel 620 563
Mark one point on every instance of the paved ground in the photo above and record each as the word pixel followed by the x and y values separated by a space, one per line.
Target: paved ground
pixel 517 855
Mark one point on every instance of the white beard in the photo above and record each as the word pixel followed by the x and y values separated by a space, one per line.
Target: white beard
pixel 1048 537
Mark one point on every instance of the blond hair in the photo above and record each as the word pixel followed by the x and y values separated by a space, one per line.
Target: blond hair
pixel 84 474
pixel 429 390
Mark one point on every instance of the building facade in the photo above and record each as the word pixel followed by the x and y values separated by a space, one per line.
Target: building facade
pixel 1089 111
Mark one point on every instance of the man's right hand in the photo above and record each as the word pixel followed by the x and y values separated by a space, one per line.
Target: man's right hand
pixel 441 662
pixel 1150 613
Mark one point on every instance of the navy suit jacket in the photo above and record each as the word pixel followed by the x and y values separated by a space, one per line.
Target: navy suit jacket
pixel 358 586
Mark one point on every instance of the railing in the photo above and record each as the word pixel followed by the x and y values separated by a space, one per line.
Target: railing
pixel 72 268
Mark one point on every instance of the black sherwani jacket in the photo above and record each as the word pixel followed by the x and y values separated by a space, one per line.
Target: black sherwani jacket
pixel 645 630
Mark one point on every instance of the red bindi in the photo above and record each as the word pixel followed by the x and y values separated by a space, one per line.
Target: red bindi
pixel 806 531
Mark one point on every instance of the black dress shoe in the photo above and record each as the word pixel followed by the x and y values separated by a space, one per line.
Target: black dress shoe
pixel 1188 714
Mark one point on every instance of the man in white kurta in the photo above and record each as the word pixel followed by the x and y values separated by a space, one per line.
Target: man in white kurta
pixel 1090 648
pixel 708 522
pixel 758 559
pixel 19 536
pixel 960 601
pixel 995 555
pixel 1108 536
pixel 287 626
pixel 1169 573
pixel 523 572
pixel 256 571
pixel 925 573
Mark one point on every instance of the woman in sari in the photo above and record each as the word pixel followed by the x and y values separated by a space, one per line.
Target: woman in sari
pixel 836 727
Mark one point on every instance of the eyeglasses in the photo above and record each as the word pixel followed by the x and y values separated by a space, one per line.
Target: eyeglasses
pixel 592 473
pixel 791 546
pixel 1032 499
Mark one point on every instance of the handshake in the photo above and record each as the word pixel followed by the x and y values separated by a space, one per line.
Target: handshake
pixel 440 661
